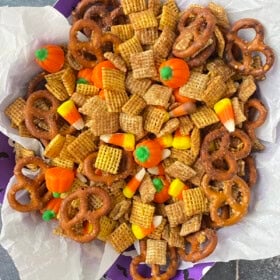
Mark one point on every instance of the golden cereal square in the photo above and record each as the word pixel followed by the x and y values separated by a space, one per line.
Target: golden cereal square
pixel 164 43
pixel 115 100
pixel 15 111
pixel 147 36
pixel 142 214
pixel 137 86
pixel 121 238
pixel 57 88
pixel 195 201
pixel 168 18
pixel 158 95
pixel 133 6
pixel 130 47
pixel 69 80
pixel 143 65
pixel 180 170
pixel 107 226
pixel 82 146
pixel 175 213
pixel 154 119
pixel 175 240
pixel 131 124
pixel 156 252
pixel 87 90
pixel 247 88
pixel 113 79
pixel 108 159
pixel 135 105
pixel 124 31
pixel 204 116
pixel 143 19
pixel 191 225
pixel 195 86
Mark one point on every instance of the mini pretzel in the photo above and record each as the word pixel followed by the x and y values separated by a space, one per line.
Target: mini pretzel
pixel 85 214
pixel 246 144
pixel 86 53
pixel 126 167
pixel 84 5
pixel 48 116
pixel 202 244
pixel 103 17
pixel 222 153
pixel 235 193
pixel 203 19
pixel 38 194
pixel 245 66
pixel 202 56
pixel 155 273
pixel 252 125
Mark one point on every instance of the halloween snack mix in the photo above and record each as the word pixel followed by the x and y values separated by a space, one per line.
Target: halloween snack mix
pixel 148 125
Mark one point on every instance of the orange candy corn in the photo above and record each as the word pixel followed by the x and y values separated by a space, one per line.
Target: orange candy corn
pixel 141 233
pixel 182 110
pixel 134 184
pixel 70 113
pixel 165 141
pixel 181 142
pixel 224 110
pixel 124 140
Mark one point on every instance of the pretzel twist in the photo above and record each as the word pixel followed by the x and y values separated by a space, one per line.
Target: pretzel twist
pixel 84 214
pixel 38 194
pixel 245 65
pixel 155 269
pixel 235 193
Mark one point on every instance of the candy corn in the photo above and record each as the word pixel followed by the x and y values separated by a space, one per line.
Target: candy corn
pixel 52 209
pixel 134 184
pixel 87 227
pixel 181 142
pixel 141 233
pixel 182 110
pixel 176 188
pixel 124 140
pixel 157 170
pixel 224 110
pixel 70 113
pixel 165 141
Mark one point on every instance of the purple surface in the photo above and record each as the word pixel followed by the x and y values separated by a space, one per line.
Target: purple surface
pixel 66 6
pixel 7 163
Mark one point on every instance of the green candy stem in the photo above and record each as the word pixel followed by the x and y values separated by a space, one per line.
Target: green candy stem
pixel 82 81
pixel 142 153
pixel 56 195
pixel 41 54
pixel 48 215
pixel 157 182
pixel 166 73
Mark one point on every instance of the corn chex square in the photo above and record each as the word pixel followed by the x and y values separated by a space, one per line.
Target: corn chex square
pixel 158 95
pixel 113 79
pixel 147 36
pixel 115 100
pixel 154 119
pixel 204 116
pixel 191 225
pixel 143 65
pixel 175 213
pixel 137 86
pixel 143 19
pixel 180 170
pixel 121 238
pixel 164 43
pixel 133 6
pixel 123 31
pixel 135 105
pixel 195 201
pixel 130 47
pixel 15 111
pixel 168 18
pixel 108 159
pixel 246 88
pixel 107 226
pixel 131 124
pixel 156 252
pixel 142 214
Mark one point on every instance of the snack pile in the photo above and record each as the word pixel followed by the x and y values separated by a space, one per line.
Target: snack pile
pixel 148 119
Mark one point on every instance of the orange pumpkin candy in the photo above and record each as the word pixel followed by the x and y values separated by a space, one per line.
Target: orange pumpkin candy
pixel 52 209
pixel 97 72
pixel 161 185
pixel 50 58
pixel 174 72
pixel 148 153
pixel 59 180
pixel 84 76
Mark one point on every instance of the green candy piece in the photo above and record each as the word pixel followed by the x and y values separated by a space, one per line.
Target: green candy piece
pixel 166 73
pixel 158 184
pixel 48 215
pixel 142 153
pixel 41 54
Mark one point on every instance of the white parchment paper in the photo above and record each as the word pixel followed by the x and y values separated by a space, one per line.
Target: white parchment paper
pixel 30 242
